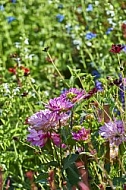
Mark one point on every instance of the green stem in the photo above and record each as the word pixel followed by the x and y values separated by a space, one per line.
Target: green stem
pixel 61 76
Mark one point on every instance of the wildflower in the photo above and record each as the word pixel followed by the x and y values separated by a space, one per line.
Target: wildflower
pixel 109 30
pixel 59 104
pixel 60 17
pixel 81 135
pixel 24 69
pixel 10 19
pixel 47 120
pixel 44 120
pixel 40 138
pixel 90 35
pixel 96 74
pixel 113 131
pixel 124 49
pixel 116 48
pixel 89 8
pixel 73 94
pixel 98 85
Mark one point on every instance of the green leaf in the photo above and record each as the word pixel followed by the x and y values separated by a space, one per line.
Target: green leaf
pixel 72 175
pixel 119 180
pixel 51 163
pixel 70 159
pixel 42 178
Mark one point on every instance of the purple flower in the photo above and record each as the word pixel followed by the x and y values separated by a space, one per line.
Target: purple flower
pixel 81 135
pixel 124 49
pixel 44 120
pixel 90 35
pixel 60 17
pixel 73 94
pixel 37 138
pixel 121 91
pixel 113 132
pixel 40 138
pixel 59 104
pixel 98 85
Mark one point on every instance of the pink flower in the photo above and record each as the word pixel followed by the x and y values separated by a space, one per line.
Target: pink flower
pixel 73 94
pixel 59 104
pixel 44 120
pixel 113 132
pixel 40 138
pixel 37 138
pixel 47 120
pixel 81 135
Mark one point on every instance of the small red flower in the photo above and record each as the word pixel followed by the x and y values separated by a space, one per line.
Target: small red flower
pixel 30 174
pixel 123 27
pixel 116 48
pixel 25 70
pixel 12 70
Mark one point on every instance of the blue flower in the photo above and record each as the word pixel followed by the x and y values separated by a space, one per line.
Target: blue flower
pixel 1 8
pixel 89 8
pixel 109 30
pixel 90 35
pixel 96 74
pixel 60 17
pixel 10 19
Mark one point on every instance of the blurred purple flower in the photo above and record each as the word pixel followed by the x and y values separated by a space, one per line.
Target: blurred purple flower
pixel 40 138
pixel 73 94
pixel 89 8
pixel 90 35
pixel 59 104
pixel 109 30
pixel 113 132
pixel 98 85
pixel 81 135
pixel 60 17
pixel 10 19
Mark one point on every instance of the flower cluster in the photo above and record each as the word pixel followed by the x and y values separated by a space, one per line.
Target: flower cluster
pixel 25 70
pixel 44 124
